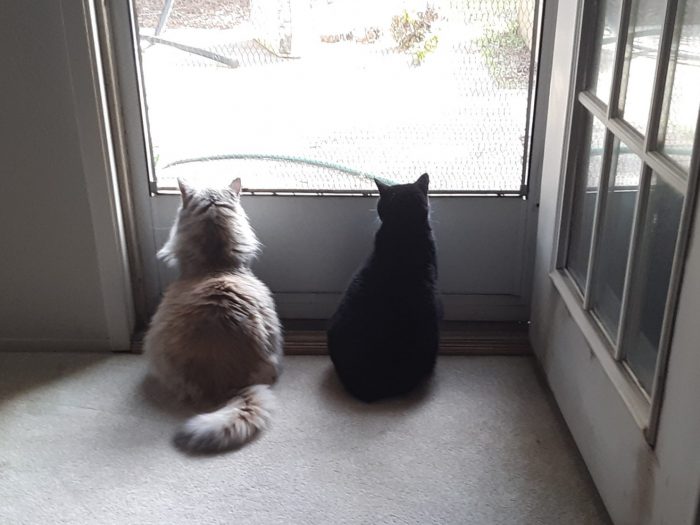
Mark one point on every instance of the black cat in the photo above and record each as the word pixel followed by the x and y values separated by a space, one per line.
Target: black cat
pixel 384 337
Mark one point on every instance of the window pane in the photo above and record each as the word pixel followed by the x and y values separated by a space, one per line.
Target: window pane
pixel 615 236
pixel 654 273
pixel 646 25
pixel 317 95
pixel 683 81
pixel 585 197
pixel 604 48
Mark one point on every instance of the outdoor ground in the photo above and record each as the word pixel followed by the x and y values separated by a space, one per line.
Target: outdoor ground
pixel 349 102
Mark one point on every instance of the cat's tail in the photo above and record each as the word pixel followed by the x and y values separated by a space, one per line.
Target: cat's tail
pixel 231 426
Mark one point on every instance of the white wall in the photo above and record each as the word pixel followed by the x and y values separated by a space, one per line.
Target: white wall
pixel 639 485
pixel 54 294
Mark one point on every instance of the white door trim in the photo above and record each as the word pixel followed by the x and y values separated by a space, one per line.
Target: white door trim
pixel 639 484
pixel 98 166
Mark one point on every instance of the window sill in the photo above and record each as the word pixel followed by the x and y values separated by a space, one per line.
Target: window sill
pixel 630 392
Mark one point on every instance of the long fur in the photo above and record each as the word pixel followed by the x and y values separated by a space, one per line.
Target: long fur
pixel 216 338
pixel 384 337
pixel 232 425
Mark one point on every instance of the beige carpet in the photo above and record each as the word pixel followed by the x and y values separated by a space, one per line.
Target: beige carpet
pixel 83 439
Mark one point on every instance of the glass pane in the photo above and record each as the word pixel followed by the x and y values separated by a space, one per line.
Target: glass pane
pixel 585 197
pixel 320 95
pixel 646 25
pixel 615 236
pixel 683 81
pixel 603 59
pixel 654 273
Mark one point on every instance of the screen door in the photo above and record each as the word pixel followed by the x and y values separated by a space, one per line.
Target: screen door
pixel 310 101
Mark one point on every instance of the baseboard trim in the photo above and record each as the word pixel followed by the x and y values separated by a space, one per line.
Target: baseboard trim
pixel 55 345
pixel 305 337
pixel 481 308
pixel 501 340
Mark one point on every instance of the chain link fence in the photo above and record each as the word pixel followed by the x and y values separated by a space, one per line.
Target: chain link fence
pixel 323 95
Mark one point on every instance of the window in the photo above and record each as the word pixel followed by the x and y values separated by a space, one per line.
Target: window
pixel 321 95
pixel 632 172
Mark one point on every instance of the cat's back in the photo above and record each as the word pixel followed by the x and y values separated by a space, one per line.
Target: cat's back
pixel 202 318
pixel 403 281
pixel 230 296
pixel 387 303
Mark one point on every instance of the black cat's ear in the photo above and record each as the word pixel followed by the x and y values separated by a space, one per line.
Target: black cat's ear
pixel 236 185
pixel 423 182
pixel 186 191
pixel 381 186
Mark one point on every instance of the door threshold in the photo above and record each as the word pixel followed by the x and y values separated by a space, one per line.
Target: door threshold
pixel 308 337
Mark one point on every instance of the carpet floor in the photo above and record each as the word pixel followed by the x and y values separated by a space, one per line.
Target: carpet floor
pixel 86 438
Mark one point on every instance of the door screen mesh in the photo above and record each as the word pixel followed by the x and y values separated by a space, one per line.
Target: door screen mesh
pixel 322 95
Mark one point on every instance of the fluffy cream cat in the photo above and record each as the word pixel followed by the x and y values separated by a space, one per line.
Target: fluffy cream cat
pixel 216 337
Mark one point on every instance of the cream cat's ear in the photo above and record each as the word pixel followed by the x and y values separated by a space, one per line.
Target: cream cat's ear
pixel 185 190
pixel 236 185
pixel 423 182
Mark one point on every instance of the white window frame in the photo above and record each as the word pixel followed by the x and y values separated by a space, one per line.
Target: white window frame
pixel 645 408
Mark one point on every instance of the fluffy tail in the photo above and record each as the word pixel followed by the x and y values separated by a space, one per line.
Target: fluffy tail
pixel 232 425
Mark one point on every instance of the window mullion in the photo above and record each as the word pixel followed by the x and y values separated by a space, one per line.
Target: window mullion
pixel 628 136
pixel 657 101
pixel 593 105
pixel 670 78
pixel 620 53
pixel 629 312
pixel 603 184
pixel 668 171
